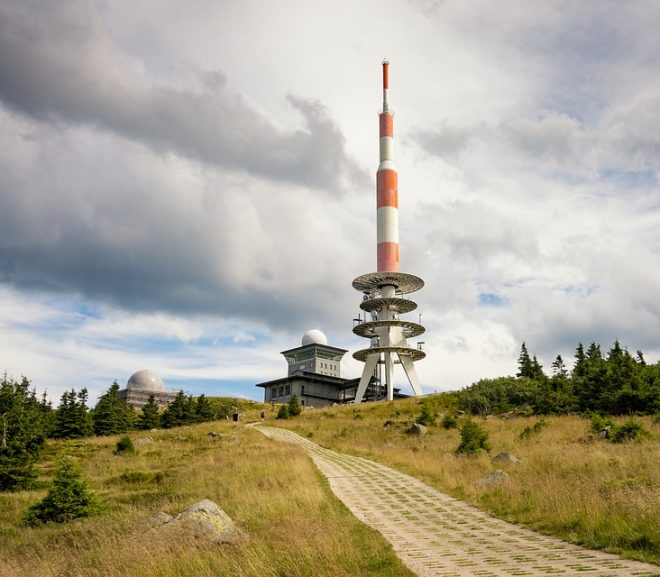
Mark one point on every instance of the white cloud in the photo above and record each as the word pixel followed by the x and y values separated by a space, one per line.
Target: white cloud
pixel 206 196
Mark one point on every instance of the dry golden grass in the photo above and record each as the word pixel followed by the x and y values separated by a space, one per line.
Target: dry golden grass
pixel 295 525
pixel 598 494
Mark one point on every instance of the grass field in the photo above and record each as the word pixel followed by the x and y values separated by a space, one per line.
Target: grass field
pixel 591 492
pixel 596 493
pixel 295 525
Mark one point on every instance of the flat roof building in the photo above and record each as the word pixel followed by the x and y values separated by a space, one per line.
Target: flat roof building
pixel 314 375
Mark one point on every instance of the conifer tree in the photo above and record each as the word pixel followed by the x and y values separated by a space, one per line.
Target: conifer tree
pixel 176 413
pixel 525 366
pixel 112 415
pixel 580 368
pixel 473 438
pixel 149 417
pixel 48 415
pixel 589 389
pixel 72 418
pixel 22 433
pixel 191 410
pixel 295 407
pixel 68 498
pixel 559 368
pixel 203 410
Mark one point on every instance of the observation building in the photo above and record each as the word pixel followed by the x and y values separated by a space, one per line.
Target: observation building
pixel 314 375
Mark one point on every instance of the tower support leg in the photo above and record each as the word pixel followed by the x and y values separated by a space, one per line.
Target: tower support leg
pixel 367 373
pixel 411 373
pixel 388 376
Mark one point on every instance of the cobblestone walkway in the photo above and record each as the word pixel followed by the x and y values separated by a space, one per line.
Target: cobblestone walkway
pixel 438 536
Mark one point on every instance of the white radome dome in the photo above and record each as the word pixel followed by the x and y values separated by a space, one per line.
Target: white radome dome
pixel 314 337
pixel 145 380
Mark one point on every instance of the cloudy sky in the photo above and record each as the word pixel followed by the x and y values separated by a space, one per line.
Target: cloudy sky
pixel 189 186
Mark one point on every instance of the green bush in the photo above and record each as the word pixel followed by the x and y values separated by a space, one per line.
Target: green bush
pixel 124 445
pixel 283 413
pixel 600 423
pixel 535 429
pixel 629 431
pixel 450 421
pixel 427 416
pixel 295 408
pixel 68 498
pixel 473 438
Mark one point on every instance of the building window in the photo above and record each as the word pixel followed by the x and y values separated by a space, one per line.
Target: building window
pixel 280 391
pixel 287 390
pixel 302 390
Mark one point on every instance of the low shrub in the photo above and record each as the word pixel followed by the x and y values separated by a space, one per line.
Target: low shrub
pixel 427 416
pixel 600 423
pixel 283 413
pixel 295 408
pixel 450 421
pixel 68 498
pixel 124 445
pixel 473 438
pixel 629 431
pixel 535 429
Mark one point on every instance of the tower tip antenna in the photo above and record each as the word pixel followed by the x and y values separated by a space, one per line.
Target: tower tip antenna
pixel 386 82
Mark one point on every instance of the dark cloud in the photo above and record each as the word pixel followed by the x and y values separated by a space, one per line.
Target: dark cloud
pixel 118 224
pixel 59 62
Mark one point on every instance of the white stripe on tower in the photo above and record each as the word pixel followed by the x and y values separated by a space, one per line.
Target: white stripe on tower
pixel 387 193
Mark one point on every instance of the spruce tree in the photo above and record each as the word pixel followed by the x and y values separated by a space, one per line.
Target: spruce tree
pixel 191 410
pixel 72 418
pixel 580 367
pixel 22 433
pixel 473 438
pixel 112 415
pixel 68 498
pixel 295 408
pixel 176 413
pixel 149 417
pixel 48 415
pixel 525 365
pixel 559 368
pixel 203 410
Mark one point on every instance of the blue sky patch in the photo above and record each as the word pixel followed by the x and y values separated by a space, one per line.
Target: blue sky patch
pixel 492 300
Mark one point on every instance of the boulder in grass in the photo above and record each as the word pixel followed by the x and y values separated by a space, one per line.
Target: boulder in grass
pixel 494 479
pixel 207 519
pixel 506 458
pixel 417 430
pixel 160 518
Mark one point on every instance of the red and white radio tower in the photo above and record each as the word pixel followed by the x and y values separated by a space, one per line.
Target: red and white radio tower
pixel 383 291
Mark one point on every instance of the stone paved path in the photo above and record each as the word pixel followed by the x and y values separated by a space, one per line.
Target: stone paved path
pixel 436 535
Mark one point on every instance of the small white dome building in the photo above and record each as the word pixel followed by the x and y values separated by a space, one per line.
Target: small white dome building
pixel 142 385
pixel 145 380
pixel 314 337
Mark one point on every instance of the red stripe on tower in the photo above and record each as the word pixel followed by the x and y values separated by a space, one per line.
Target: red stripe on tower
pixel 387 196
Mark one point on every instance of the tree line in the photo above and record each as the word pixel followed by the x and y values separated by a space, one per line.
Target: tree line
pixel 27 421
pixel 614 383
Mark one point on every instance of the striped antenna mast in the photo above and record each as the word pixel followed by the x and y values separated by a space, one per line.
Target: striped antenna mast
pixel 387 189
